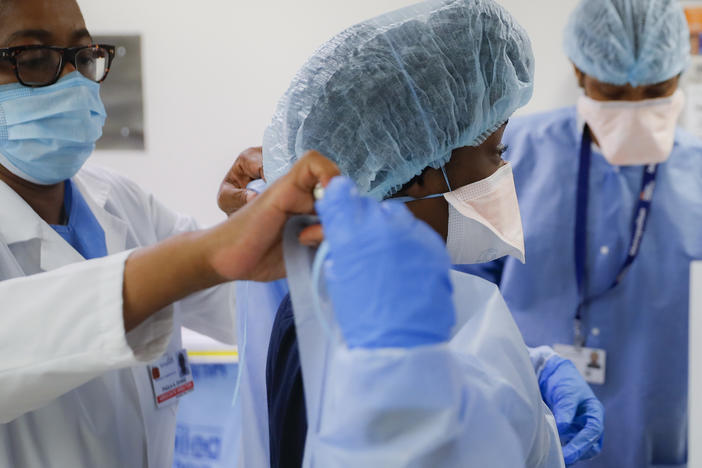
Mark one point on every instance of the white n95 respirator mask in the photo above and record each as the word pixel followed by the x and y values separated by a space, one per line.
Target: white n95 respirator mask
pixel 484 220
pixel 633 133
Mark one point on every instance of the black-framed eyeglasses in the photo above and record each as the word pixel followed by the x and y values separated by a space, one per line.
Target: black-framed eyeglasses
pixel 39 65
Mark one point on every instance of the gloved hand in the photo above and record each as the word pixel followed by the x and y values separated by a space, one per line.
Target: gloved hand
pixel 387 272
pixel 579 414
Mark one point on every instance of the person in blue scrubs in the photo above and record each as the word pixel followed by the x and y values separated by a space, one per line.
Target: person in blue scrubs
pixel 440 153
pixel 611 200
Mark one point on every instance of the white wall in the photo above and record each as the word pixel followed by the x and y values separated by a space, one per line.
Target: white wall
pixel 545 20
pixel 214 70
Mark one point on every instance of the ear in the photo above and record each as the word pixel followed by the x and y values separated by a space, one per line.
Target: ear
pixel 414 188
pixel 580 76
pixel 421 185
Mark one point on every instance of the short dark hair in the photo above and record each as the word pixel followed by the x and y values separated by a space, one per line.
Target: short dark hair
pixel 416 179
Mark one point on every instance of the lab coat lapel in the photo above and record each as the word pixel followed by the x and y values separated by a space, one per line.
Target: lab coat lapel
pixel 55 251
pixel 96 194
pixel 20 223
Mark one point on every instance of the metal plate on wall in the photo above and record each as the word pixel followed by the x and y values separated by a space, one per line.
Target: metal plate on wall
pixel 122 93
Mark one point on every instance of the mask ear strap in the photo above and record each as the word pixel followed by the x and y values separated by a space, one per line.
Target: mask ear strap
pixel 436 195
pixel 411 199
pixel 448 184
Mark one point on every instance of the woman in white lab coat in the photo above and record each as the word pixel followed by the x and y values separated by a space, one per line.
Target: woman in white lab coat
pixel 76 335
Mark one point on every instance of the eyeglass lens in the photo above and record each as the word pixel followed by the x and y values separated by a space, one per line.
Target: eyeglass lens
pixel 92 63
pixel 38 66
pixel 41 66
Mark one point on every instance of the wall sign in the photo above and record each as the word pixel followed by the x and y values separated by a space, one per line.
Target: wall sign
pixel 123 95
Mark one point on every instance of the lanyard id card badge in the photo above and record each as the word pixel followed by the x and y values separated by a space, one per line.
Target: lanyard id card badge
pixel 592 362
pixel 171 378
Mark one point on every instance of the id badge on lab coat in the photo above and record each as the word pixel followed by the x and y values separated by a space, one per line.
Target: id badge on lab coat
pixel 171 378
pixel 590 362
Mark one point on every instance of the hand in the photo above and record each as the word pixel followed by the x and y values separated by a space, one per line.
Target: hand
pixel 245 247
pixel 387 273
pixel 248 246
pixel 579 414
pixel 233 194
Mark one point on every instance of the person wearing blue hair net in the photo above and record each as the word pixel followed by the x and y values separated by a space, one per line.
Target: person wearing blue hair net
pixel 411 104
pixel 611 198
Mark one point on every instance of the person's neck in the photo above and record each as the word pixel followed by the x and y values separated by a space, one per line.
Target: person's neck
pixel 45 200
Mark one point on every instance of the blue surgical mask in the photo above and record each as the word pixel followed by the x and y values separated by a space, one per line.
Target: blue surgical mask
pixel 47 134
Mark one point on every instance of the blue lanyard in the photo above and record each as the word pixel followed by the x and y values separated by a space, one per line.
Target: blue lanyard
pixel 643 209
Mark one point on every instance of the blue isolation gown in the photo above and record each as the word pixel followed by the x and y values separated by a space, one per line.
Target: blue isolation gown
pixel 643 323
pixel 256 306
pixel 471 402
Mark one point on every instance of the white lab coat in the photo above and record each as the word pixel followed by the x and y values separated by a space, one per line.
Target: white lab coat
pixel 75 391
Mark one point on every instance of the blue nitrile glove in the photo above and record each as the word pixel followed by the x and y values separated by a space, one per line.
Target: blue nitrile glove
pixel 387 272
pixel 579 414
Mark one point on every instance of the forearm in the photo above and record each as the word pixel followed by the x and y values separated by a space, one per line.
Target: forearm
pixel 157 276
pixel 246 246
pixel 61 329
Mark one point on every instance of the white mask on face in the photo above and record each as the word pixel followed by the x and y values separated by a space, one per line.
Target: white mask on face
pixel 484 220
pixel 634 133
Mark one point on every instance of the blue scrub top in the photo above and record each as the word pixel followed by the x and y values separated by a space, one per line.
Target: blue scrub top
pixel 643 323
pixel 287 413
pixel 83 231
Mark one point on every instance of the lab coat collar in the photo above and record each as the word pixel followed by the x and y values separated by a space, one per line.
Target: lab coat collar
pixel 96 192
pixel 93 187
pixel 20 223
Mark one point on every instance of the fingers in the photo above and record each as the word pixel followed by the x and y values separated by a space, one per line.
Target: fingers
pixel 564 411
pixel 247 167
pixel 337 199
pixel 292 193
pixel 313 168
pixel 347 216
pixel 249 245
pixel 593 452
pixel 231 199
pixel 588 442
pixel 584 443
pixel 312 236
pixel 567 434
pixel 233 194
pixel 252 163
